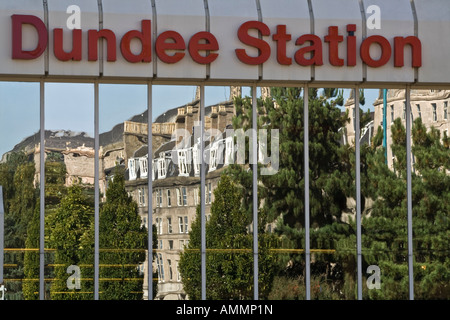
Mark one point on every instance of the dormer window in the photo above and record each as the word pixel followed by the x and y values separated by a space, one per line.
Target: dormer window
pixel 132 168
pixel 213 157
pixel 196 159
pixel 229 151
pixel 184 162
pixel 162 166
pixel 143 166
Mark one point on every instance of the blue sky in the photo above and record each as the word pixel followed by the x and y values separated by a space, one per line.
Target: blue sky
pixel 70 106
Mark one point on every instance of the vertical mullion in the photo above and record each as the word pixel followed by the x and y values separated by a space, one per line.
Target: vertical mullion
pixel 150 193
pixel 42 192
pixel 306 177
pixel 202 193
pixel 408 192
pixel 255 194
pixel 358 193
pixel 97 193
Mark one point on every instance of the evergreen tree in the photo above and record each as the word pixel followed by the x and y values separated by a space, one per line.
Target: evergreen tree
pixel 123 240
pixel 229 260
pixel 68 224
pixel 31 260
pixel 385 231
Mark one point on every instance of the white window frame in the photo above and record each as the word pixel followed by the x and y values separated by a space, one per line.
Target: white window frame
pixel 162 166
pixel 229 151
pixel 143 165
pixel 445 110
pixel 169 225
pixel 132 171
pixel 213 156
pixel 196 159
pixel 184 163
pixel 179 197
pixel 180 225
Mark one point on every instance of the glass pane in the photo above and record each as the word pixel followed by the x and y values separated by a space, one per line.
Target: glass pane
pixel 176 182
pixel 69 190
pixel 123 191
pixel 431 192
pixel 383 188
pixel 332 193
pixel 19 177
pixel 281 194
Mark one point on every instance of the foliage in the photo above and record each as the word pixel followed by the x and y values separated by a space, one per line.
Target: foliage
pixel 229 262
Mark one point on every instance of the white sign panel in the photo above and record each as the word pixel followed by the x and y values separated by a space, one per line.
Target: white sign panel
pixel 267 41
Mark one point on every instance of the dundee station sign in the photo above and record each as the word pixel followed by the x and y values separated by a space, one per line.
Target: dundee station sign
pixel 216 41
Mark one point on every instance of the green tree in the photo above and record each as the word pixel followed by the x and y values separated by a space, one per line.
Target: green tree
pixel 123 240
pixel 31 260
pixel 17 179
pixel 385 231
pixel 229 263
pixel 68 224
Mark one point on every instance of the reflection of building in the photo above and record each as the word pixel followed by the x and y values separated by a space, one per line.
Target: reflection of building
pixel 176 180
pixel 429 105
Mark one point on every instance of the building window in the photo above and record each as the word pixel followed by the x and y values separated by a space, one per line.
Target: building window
pixel 160 245
pixel 209 193
pixel 354 119
pixel 181 243
pixel 392 113
pixel 132 169
pixel 184 196
pixel 169 263
pixel 178 272
pixel 170 244
pixel 160 268
pixel 169 200
pixel 180 225
pixel 445 110
pixel 162 170
pixel 419 113
pixel 179 198
pixel 196 159
pixel 213 157
pixel 196 199
pixel 158 198
pixel 143 166
pixel 169 225
pixel 184 163
pixel 433 105
pixel 229 151
pixel 183 224
pixel 404 111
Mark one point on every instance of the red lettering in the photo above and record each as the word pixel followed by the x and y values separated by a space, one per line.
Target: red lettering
pixel 110 37
pixel 315 49
pixel 162 46
pixel 145 37
pixel 351 45
pixel 281 38
pixel 416 51
pixel 58 49
pixel 333 39
pixel 210 44
pixel 385 51
pixel 17 50
pixel 261 45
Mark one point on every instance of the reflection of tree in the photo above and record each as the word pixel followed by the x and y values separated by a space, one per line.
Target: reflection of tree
pixel 16 177
pixel 123 241
pixel 229 264
pixel 385 231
